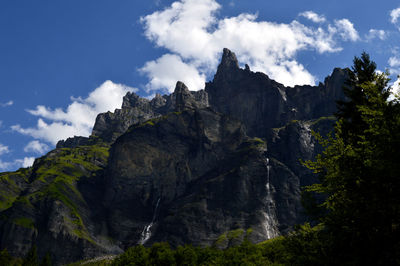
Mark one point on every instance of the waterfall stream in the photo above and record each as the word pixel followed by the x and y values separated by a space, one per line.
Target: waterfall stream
pixel 270 221
pixel 146 233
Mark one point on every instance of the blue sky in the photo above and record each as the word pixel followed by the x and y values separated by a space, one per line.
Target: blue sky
pixel 64 61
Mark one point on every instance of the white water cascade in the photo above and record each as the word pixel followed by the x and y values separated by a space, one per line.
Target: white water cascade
pixel 146 233
pixel 270 221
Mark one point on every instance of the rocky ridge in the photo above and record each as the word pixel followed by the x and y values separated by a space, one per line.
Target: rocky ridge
pixel 184 168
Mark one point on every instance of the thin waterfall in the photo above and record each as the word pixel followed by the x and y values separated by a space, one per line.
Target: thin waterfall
pixel 270 221
pixel 146 233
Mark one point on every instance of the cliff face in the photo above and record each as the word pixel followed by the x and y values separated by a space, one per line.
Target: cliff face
pixel 195 175
pixel 184 168
pixel 59 206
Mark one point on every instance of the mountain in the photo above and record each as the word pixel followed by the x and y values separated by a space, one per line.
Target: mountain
pixel 189 167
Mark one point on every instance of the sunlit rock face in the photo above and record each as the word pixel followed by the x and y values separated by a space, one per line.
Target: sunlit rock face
pixel 188 167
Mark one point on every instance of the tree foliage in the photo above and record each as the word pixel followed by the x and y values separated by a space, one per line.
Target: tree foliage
pixel 359 171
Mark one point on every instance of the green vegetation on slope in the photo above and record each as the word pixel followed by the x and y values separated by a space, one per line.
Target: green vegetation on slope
pixel 9 187
pixel 55 177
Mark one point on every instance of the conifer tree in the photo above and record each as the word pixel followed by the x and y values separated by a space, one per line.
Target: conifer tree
pixel 360 172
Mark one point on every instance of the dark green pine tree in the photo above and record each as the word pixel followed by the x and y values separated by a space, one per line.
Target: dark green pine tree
pixel 362 72
pixel 360 172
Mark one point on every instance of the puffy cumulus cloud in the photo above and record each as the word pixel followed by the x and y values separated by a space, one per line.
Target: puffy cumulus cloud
pixel 376 34
pixel 192 32
pixel 394 15
pixel 3 149
pixel 184 28
pixel 314 17
pixel 9 103
pixel 54 131
pixel 79 117
pixel 168 69
pixel 26 162
pixel 346 30
pixel 36 147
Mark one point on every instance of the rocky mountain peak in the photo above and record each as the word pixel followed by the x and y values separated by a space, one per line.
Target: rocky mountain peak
pixel 338 76
pixel 183 98
pixel 228 60
pixel 158 101
pixel 228 67
pixel 181 88
pixel 131 99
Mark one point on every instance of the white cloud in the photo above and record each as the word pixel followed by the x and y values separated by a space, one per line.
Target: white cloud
pixel 3 149
pixel 9 103
pixel 373 34
pixel 314 17
pixel 26 162
pixel 168 69
pixel 36 147
pixel 79 117
pixel 394 61
pixel 394 15
pixel 346 30
pixel 396 86
pixel 5 165
pixel 395 89
pixel 192 31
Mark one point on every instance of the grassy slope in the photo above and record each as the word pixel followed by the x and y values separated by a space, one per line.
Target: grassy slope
pixel 53 177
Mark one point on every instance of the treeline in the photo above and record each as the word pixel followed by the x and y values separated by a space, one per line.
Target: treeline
pixel 298 248
pixel 301 247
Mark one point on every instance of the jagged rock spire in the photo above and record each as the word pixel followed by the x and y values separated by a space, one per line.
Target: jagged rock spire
pixel 228 67
pixel 181 88
pixel 182 96
pixel 185 99
pixel 229 60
